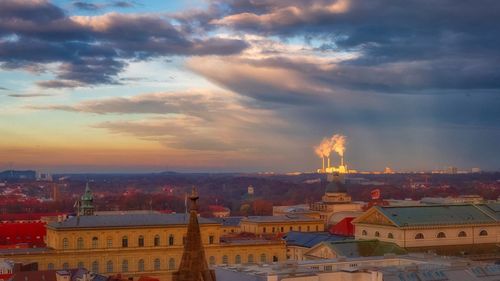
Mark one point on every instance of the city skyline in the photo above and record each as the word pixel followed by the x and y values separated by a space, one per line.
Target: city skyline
pixel 247 86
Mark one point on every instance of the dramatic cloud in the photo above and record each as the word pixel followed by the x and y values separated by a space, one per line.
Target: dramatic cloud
pixel 92 50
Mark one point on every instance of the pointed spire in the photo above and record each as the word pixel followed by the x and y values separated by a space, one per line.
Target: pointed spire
pixel 194 265
pixel 86 206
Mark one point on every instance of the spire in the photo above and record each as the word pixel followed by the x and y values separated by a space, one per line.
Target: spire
pixel 86 207
pixel 194 265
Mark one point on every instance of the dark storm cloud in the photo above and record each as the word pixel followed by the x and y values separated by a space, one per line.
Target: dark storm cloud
pixel 92 50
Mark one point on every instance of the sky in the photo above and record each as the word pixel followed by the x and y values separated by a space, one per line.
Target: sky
pixel 248 85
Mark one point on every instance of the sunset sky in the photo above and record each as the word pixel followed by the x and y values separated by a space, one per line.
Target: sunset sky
pixel 248 85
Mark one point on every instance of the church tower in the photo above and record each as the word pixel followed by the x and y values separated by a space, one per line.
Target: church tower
pixel 194 265
pixel 87 203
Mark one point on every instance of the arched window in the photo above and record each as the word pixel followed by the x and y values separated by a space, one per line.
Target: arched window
pixel 441 235
pixel 65 265
pixel 364 233
pixel 140 265
pixel 237 259
pixel 157 240
pixel 250 258
pixel 50 266
pixel 95 242
pixel 125 266
pixel 65 243
pixel 462 234
pixel 377 234
pixel 171 264
pixel 390 235
pixel 171 240
pixel 140 241
pixel 263 258
pixel 109 267
pixel 124 241
pixel 211 260
pixel 79 243
pixel 483 233
pixel 225 260
pixel 109 242
pixel 95 266
pixel 419 236
pixel 80 264
pixel 157 264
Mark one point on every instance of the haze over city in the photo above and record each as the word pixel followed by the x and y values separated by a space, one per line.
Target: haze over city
pixel 245 86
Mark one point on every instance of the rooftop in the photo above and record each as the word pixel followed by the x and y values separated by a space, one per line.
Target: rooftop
pixel 441 214
pixel 364 248
pixel 286 218
pixel 310 239
pixel 126 220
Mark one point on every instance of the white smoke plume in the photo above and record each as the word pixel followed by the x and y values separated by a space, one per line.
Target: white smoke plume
pixel 335 143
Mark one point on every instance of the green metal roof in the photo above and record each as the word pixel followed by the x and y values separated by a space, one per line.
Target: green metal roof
pixel 437 215
pixel 364 248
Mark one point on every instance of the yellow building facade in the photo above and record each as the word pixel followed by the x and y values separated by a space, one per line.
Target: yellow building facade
pixel 138 245
pixel 262 225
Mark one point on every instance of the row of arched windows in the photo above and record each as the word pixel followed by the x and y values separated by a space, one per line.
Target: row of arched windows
pixel 421 235
pixel 124 265
pixel 125 242
pixel 157 263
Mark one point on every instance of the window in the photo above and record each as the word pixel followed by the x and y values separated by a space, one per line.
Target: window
pixel 171 264
pixel 211 260
pixel 317 228
pixel 157 264
pixel 237 259
pixel 308 228
pixel 140 265
pixel 273 229
pixel 282 229
pixel 462 234
pixel 275 259
pixel 483 233
pixel 171 240
pixel 65 265
pixel 225 260
pixel 390 235
pixel 109 242
pixel 50 266
pixel 125 266
pixel 210 239
pixel 264 230
pixel 419 236
pixel 65 243
pixel 441 235
pixel 79 243
pixel 109 267
pixel 140 241
pixel 95 242
pixel 124 241
pixel 250 258
pixel 300 228
pixel 95 266
pixel 377 234
pixel 80 264
pixel 291 228
pixel 263 258
pixel 157 240
pixel 364 233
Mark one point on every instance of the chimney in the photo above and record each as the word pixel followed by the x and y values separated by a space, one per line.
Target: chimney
pixel 342 160
pixel 323 163
pixel 328 161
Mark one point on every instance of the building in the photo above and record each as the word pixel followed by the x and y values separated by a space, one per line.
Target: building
pixel 352 249
pixel 336 204
pixel 263 225
pixel 299 243
pixel 423 267
pixel 437 227
pixel 145 244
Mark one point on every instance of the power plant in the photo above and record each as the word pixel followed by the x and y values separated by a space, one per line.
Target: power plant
pixel 336 143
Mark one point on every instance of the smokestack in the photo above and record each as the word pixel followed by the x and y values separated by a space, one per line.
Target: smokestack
pixel 328 161
pixel 342 160
pixel 323 163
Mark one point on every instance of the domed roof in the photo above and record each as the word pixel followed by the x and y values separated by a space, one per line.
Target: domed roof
pixel 336 185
